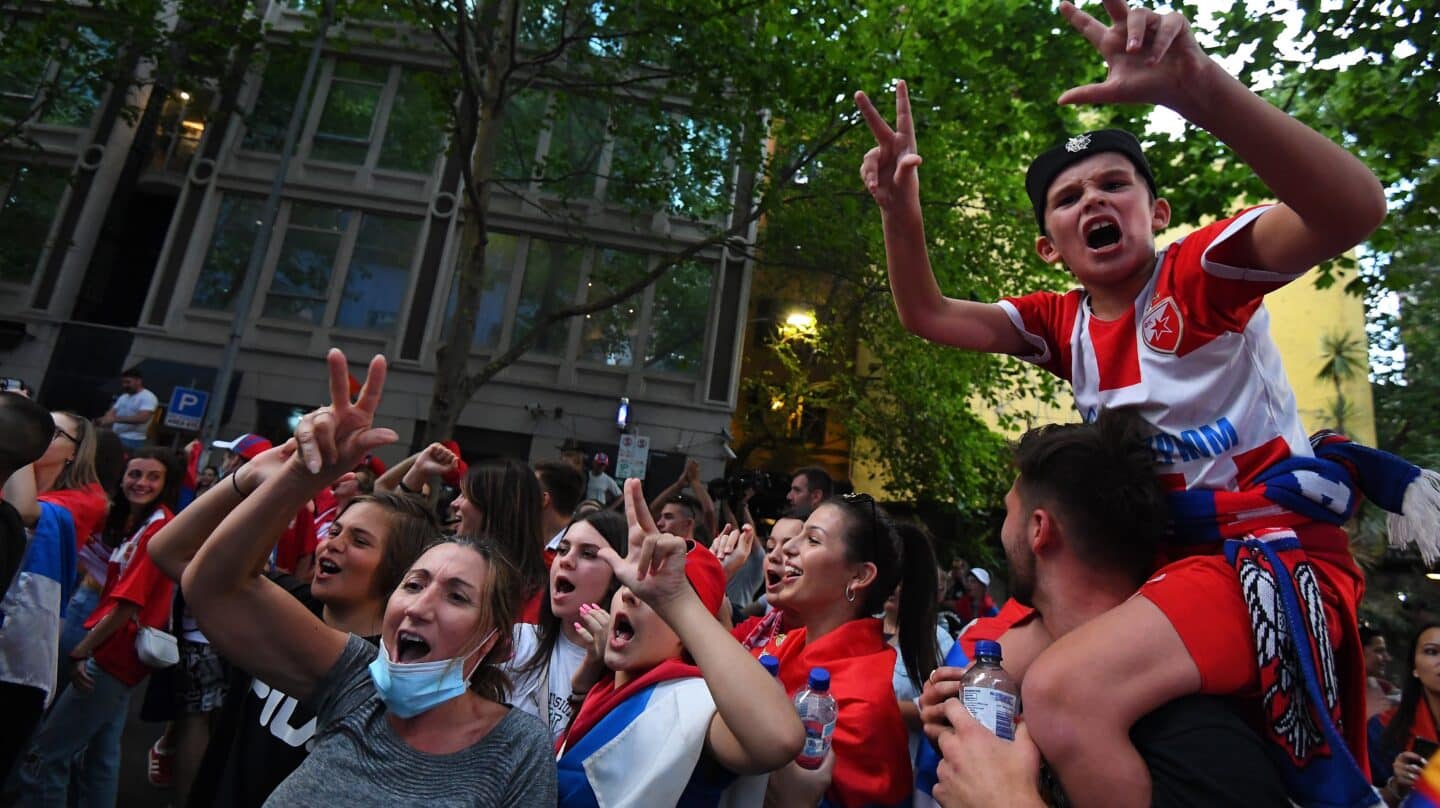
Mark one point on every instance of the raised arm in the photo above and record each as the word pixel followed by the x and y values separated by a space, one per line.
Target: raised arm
pixel 180 539
pixel 755 729
pixel 890 174
pixel 251 621
pixel 1329 200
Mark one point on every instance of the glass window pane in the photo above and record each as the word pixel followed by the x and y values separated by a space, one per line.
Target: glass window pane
pixel 414 135
pixel 520 132
pixel 343 135
pixel 577 136
pixel 229 253
pixel 280 88
pixel 76 92
pixel 379 273
pixel 702 170
pixel 608 336
pixel 32 194
pixel 494 291
pixel 678 319
pixel 22 67
pixel 552 270
pixel 640 138
pixel 301 284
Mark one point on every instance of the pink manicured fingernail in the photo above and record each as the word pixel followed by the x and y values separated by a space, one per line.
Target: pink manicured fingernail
pixel 577 626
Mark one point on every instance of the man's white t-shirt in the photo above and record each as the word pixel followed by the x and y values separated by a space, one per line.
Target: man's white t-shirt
pixel 601 488
pixel 129 404
pixel 526 691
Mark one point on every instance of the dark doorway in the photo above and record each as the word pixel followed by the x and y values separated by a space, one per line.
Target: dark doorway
pixel 124 261
pixel 84 373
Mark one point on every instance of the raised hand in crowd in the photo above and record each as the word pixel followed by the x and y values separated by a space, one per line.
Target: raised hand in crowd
pixel 433 461
pixel 733 547
pixel 980 769
pixel 177 542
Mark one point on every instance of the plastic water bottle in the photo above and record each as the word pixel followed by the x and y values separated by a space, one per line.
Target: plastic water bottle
pixel 817 710
pixel 989 693
pixel 770 664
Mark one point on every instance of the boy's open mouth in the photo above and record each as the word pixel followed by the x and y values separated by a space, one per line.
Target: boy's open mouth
pixel 621 632
pixel 1101 234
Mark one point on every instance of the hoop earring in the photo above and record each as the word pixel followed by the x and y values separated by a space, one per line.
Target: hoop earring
pixel 849 593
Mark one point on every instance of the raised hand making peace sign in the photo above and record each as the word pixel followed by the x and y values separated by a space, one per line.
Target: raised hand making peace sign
pixel 654 569
pixel 335 438
pixel 1153 58
pixel 888 170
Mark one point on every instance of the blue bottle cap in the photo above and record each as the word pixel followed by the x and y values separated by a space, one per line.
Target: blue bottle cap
pixel 819 680
pixel 770 664
pixel 987 648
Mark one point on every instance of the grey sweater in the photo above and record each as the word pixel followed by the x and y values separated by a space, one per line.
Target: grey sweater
pixel 359 760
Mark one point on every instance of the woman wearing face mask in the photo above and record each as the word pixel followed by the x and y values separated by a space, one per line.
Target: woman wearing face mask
pixel 59 498
pixel 104 667
pixel 421 721
pixel 260 736
pixel 656 732
pixel 551 671
pixel 837 574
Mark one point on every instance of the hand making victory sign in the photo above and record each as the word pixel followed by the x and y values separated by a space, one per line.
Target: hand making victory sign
pixel 336 437
pixel 889 169
pixel 1152 57
pixel 654 569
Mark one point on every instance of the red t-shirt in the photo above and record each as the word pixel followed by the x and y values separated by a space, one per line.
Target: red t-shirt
pixel 133 578
pixel 297 542
pixel 87 506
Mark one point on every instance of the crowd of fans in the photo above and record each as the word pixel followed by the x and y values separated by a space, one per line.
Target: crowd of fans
pixel 1182 623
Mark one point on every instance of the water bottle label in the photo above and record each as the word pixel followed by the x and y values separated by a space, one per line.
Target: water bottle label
pixel 817 743
pixel 993 708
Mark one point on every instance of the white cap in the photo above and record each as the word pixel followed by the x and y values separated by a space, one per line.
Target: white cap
pixel 981 574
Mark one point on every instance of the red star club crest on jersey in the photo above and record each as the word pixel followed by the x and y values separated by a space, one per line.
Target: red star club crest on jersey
pixel 1162 326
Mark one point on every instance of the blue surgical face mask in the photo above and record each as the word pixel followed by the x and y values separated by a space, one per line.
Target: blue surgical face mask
pixel 410 689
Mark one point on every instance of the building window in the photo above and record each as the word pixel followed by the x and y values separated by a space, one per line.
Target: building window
pixel 347 123
pixel 279 90
pixel 379 273
pixel 230 244
pixel 608 336
pixel 300 288
pixel 349 131
pixel 552 271
pixel 520 129
pixel 577 138
pixel 31 195
pixel 418 116
pixel 71 80
pixel 678 319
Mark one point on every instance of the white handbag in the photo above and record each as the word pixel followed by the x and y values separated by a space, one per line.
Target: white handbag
pixel 156 648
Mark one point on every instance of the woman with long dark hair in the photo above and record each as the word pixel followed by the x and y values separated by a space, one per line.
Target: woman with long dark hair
pixel 1402 738
pixel 837 573
pixel 105 667
pixel 502 499
pixel 551 671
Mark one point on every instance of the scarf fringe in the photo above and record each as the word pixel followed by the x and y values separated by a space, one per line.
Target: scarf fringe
pixel 1418 522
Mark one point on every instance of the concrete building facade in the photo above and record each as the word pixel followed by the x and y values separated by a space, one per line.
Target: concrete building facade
pixel 136 238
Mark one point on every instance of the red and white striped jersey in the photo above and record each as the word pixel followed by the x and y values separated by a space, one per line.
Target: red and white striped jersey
pixel 1193 354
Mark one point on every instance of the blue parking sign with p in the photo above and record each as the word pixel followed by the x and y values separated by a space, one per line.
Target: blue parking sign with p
pixel 187 408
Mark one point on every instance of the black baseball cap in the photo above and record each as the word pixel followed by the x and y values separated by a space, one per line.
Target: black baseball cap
pixel 1047 166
